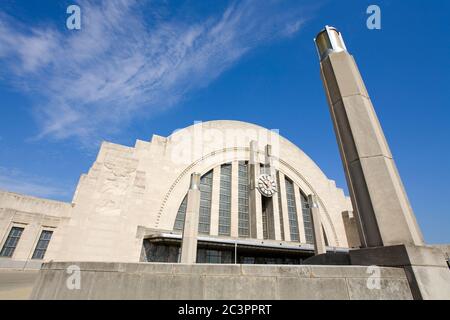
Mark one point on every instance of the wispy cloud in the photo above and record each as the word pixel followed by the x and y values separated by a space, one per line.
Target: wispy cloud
pixel 121 65
pixel 14 180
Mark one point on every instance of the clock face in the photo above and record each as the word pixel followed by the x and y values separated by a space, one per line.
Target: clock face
pixel 267 185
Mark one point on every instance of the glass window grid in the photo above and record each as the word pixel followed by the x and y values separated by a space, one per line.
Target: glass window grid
pixel 161 252
pixel 243 201
pixel 11 242
pixel 243 205
pixel 214 256
pixel 42 245
pixel 179 221
pixel 307 222
pixel 264 223
pixel 225 200
pixel 205 203
pixel 205 206
pixel 165 252
pixel 292 211
pixel 263 169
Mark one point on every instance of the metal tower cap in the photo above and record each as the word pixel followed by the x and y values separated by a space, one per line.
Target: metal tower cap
pixel 329 40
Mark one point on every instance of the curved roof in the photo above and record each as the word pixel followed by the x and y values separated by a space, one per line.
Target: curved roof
pixel 236 124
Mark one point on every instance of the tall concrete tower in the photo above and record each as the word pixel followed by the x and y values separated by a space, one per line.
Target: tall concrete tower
pixel 376 190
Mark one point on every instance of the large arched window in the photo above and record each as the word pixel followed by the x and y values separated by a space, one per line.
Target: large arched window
pixel 294 199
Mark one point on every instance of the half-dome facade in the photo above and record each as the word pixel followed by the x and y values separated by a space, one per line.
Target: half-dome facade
pixel 131 205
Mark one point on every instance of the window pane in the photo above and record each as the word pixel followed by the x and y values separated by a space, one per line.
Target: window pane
pixel 179 221
pixel 225 200
pixel 307 219
pixel 244 230
pixel 159 252
pixel 11 242
pixel 42 245
pixel 292 211
pixel 205 203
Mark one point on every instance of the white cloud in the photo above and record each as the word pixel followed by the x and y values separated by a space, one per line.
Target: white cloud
pixel 16 181
pixel 123 65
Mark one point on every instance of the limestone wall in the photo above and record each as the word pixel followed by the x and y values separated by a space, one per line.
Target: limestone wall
pixel 241 282
pixel 33 215
pixel 17 285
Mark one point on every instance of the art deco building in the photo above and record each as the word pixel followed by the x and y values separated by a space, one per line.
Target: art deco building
pixel 234 195
pixel 130 206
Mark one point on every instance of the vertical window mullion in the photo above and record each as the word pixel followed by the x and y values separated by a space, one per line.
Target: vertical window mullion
pixel 280 207
pixel 243 201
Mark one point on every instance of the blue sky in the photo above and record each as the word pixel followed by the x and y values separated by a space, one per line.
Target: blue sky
pixel 142 67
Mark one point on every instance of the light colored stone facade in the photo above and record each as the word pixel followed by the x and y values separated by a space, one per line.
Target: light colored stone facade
pixel 130 190
pixel 33 215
